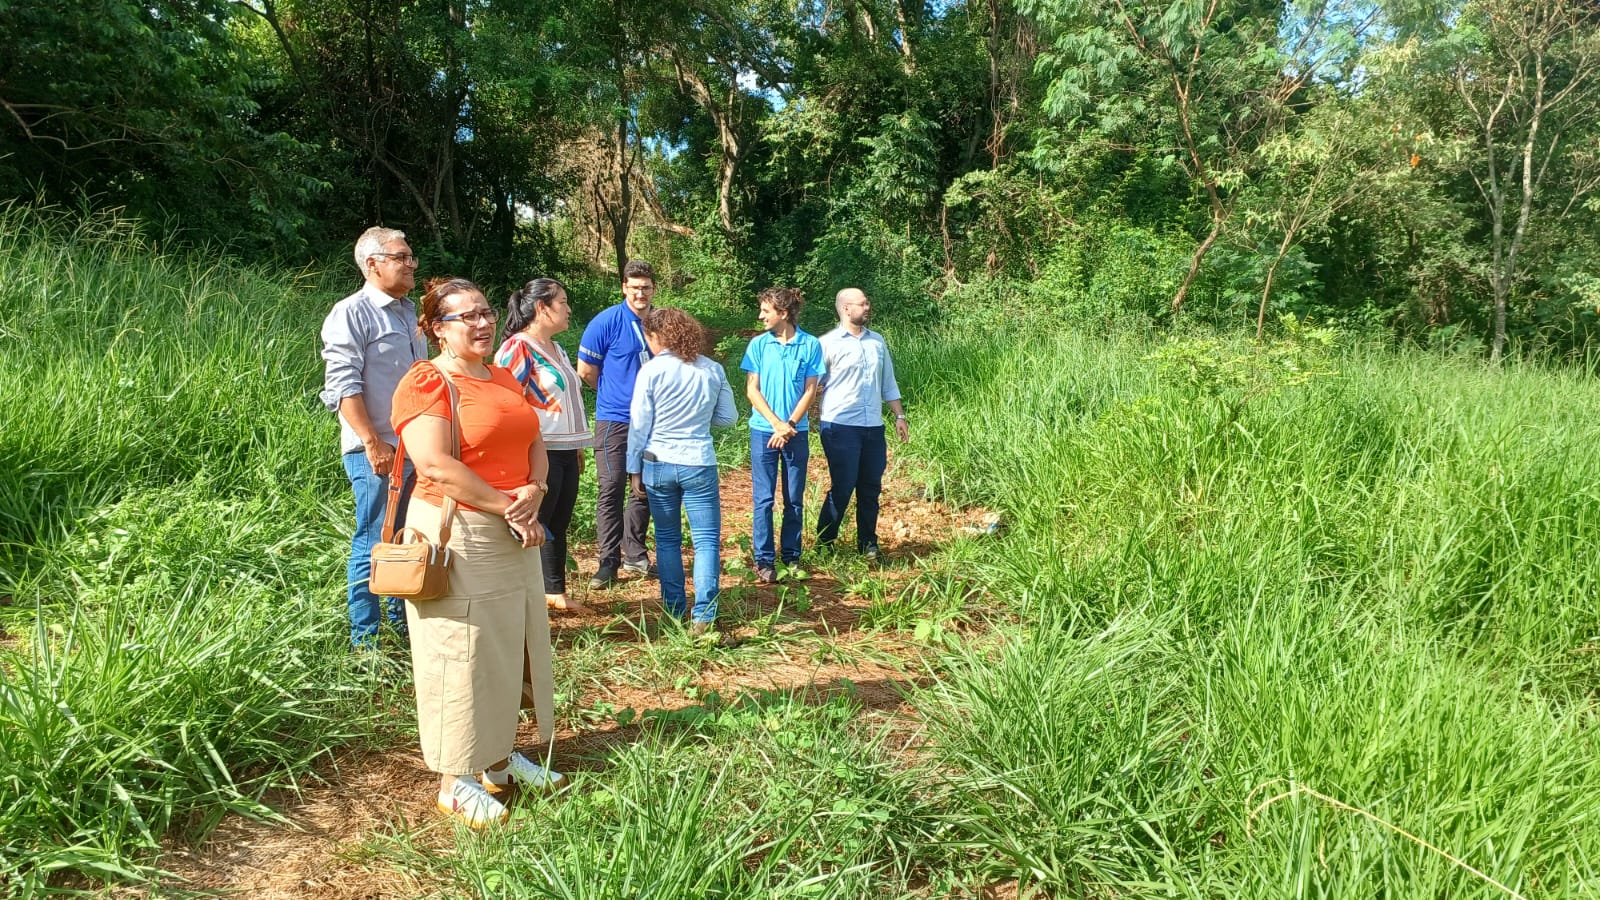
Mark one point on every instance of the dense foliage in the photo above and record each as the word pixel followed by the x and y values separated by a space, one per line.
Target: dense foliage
pixel 986 158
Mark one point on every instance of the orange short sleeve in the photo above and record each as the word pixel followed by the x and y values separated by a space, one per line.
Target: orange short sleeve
pixel 422 392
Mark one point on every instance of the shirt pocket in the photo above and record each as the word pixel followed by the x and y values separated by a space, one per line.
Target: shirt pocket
pixel 872 360
pixel 390 343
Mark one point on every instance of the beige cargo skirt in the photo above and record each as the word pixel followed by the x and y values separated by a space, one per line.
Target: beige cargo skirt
pixel 468 647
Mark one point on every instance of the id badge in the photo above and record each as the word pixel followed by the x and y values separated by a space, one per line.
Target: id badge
pixel 644 357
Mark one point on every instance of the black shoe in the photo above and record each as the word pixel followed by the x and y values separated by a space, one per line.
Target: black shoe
pixel 766 575
pixel 603 579
pixel 871 553
pixel 641 569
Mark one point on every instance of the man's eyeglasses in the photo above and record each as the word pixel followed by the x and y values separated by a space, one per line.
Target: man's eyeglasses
pixel 404 259
pixel 477 317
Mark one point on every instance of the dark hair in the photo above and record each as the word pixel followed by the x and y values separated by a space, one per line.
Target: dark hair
pixel 437 291
pixel 523 305
pixel 638 268
pixel 678 330
pixel 785 300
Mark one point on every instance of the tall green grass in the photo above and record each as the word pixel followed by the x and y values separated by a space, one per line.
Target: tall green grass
pixel 1376 585
pixel 171 548
pixel 771 795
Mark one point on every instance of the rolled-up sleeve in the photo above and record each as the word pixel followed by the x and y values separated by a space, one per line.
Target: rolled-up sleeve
pixel 342 349
pixel 891 390
pixel 642 417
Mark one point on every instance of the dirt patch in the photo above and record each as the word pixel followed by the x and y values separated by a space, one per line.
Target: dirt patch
pixel 316 850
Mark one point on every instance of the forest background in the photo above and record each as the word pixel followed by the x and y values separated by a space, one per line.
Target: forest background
pixel 1417 168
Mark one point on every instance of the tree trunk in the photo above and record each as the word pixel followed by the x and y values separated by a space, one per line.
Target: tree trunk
pixel 905 19
pixel 992 46
pixel 1202 172
pixel 1266 288
pixel 428 215
pixel 621 214
pixel 1194 265
pixel 724 117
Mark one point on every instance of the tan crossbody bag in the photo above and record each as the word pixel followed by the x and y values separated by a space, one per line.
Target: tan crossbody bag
pixel 407 565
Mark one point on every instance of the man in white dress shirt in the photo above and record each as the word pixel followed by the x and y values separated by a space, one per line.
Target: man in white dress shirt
pixel 860 380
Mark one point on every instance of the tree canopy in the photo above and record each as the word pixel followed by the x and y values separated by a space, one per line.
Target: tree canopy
pixel 1422 168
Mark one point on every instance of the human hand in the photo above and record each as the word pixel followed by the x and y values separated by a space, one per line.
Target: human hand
pixel 380 456
pixel 776 441
pixel 579 473
pixel 902 429
pixel 524 505
pixel 530 534
pixel 638 484
pixel 533 535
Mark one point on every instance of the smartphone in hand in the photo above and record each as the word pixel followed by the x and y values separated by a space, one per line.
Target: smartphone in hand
pixel 517 532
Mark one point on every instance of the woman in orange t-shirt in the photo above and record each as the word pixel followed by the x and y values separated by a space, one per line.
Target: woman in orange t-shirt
pixel 469 647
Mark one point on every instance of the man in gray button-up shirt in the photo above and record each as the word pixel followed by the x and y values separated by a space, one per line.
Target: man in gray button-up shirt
pixel 370 340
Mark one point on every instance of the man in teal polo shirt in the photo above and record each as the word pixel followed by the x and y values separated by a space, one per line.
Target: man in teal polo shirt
pixel 784 366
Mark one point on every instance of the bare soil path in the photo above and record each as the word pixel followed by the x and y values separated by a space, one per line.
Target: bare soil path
pixel 812 641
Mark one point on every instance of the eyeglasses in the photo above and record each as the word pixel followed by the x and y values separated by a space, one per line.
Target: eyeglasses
pixel 476 317
pixel 404 259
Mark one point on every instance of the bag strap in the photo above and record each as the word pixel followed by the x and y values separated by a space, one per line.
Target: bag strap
pixel 397 473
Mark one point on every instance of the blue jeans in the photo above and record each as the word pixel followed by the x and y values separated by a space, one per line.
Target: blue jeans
pixel 671 490
pixel 857 456
pixel 765 464
pixel 372 496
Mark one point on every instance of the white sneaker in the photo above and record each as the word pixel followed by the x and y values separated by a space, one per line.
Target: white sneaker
pixel 470 804
pixel 526 773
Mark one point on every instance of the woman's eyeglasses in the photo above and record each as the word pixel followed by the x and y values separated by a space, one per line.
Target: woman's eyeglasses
pixel 476 317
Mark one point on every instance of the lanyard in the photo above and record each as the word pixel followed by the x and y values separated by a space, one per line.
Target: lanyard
pixel 644 348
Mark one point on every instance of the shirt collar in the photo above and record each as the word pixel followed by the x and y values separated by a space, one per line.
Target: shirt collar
pixel 377 297
pixel 793 339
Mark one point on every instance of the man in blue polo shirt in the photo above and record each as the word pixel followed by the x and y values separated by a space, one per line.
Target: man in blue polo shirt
pixel 860 380
pixel 609 356
pixel 784 366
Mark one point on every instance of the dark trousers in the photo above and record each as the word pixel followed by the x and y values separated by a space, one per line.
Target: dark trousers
pixel 857 456
pixel 556 514
pixel 620 518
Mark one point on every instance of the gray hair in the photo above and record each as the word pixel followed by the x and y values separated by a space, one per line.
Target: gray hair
pixel 372 241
